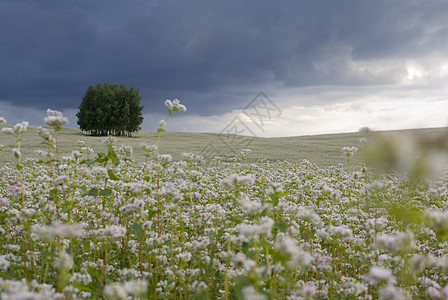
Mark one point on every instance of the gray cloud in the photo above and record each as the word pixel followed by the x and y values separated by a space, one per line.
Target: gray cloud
pixel 213 55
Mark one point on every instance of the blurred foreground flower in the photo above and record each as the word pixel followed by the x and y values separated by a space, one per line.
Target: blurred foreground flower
pixel 55 118
pixel 349 151
pixel 414 155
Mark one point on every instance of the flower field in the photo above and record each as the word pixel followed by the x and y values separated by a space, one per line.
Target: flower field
pixel 99 226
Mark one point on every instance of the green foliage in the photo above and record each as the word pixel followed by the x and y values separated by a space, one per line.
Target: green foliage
pixel 110 109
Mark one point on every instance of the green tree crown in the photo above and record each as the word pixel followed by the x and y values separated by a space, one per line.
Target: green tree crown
pixel 110 109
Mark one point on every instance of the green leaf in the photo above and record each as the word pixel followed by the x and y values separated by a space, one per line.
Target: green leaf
pixel 64 279
pixel 112 175
pixel 86 245
pixel 10 276
pixel 281 194
pixel 265 244
pixel 407 213
pixel 114 158
pixel 105 192
pixel 53 192
pixel 237 219
pixel 88 162
pixel 281 226
pixel 81 287
pixel 19 167
pixel 128 159
pixel 47 254
pixel 151 213
pixel 137 230
pixel 92 192
pixel 240 283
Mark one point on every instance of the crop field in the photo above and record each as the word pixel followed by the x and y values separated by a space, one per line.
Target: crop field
pixel 91 220
pixel 324 150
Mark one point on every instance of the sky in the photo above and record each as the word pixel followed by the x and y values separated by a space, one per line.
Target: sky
pixel 257 67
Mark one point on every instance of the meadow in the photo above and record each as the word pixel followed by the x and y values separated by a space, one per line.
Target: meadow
pixel 86 219
pixel 323 150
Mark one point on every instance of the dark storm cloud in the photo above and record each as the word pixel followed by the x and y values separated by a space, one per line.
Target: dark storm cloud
pixel 213 55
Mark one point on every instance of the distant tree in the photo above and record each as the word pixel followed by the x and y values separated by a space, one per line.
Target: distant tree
pixel 110 109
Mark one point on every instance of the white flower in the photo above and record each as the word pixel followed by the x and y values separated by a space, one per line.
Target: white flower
pixel 109 140
pixel 115 292
pixel 162 123
pixel 237 180
pixel 391 292
pixel 169 104
pixel 251 207
pixel 377 224
pixel 58 230
pixel 185 256
pixel 433 293
pixel 21 128
pixel 132 207
pixel 398 242
pixel 174 106
pixel 136 287
pixel 288 246
pixel 16 152
pixel 121 291
pixel 341 231
pixel 182 107
pixel 76 154
pixel 291 248
pixel 7 130
pixel 178 106
pixel 249 293
pixel 307 215
pixel 420 262
pixel 349 151
pixel 4 263
pixel 100 171
pixel 377 274
pixel 125 150
pixel 116 231
pixel 81 278
pixel 61 180
pixel 264 227
pixel 2 120
pixel 165 157
pixel 309 290
pixel 64 262
pixel 44 133
pixel 55 118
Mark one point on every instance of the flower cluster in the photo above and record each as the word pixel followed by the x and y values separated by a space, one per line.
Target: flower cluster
pixel 174 106
pixel 167 228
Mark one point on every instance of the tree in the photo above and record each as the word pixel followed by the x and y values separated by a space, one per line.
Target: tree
pixel 110 109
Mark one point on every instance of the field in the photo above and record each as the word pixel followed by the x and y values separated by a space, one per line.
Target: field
pixel 97 225
pixel 324 150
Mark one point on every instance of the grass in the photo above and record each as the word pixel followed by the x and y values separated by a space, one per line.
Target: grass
pixel 324 150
